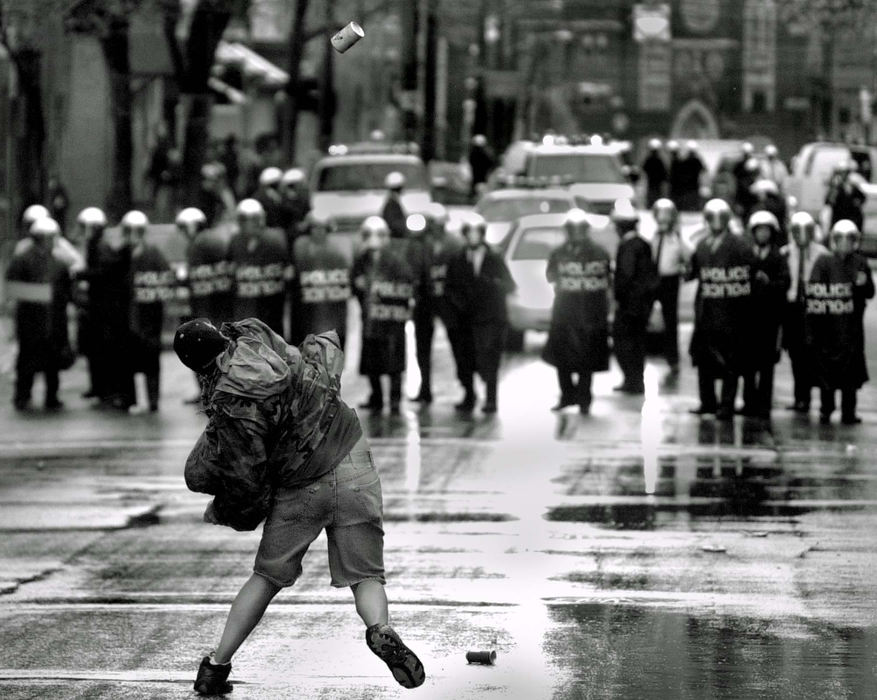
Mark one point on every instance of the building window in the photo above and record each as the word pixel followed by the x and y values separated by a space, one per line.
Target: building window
pixel 759 102
pixel 759 55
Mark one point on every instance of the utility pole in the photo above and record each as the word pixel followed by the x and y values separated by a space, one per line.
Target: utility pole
pixel 408 96
pixel 327 84
pixel 429 80
pixel 291 107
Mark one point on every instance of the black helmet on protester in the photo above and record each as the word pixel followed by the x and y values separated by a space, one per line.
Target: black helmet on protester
pixel 197 343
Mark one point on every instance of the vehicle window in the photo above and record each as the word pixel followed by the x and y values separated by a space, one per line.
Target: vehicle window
pixel 537 243
pixel 863 161
pixel 590 167
pixel 823 160
pixel 510 209
pixel 340 177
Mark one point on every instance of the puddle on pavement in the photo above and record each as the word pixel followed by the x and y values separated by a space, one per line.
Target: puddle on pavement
pixel 628 652
pixel 709 486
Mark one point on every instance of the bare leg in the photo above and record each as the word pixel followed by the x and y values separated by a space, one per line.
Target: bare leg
pixel 371 602
pixel 245 613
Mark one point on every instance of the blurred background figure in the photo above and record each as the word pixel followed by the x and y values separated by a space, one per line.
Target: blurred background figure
pixel 59 202
pixel 845 197
pixel 268 195
pixel 477 285
pixel 294 204
pixel 209 199
pixel 39 286
pixel 384 286
pixel 773 168
pixel 671 259
pixel 578 337
pixel 767 197
pixel 675 172
pixel 656 172
pixel 635 286
pixel 393 213
pixel 90 294
pixel 230 158
pixel 62 249
pixel 481 162
pixel 152 284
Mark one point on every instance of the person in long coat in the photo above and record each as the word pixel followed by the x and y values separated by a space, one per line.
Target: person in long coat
pixel 578 337
pixel 769 286
pixel 152 284
pixel 845 196
pixel 89 296
pixel 418 255
pixel 40 286
pixel 384 286
pixel 837 292
pixel 721 343
pixel 635 286
pixel 801 254
pixel 259 266
pixel 478 282
pixel 671 258
pixel 321 283
pixel 442 247
pixel 656 172
pixel 393 213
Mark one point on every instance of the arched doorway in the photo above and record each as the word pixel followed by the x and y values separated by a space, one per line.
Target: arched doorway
pixel 695 121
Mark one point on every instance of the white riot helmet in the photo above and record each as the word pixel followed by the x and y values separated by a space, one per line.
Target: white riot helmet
pixel 134 219
pixel 270 177
pixel 293 176
pixel 717 213
pixel 394 180
pixel 802 227
pixel 654 144
pixel 665 213
pixel 31 214
pixel 191 220
pixel 92 217
pixel 844 236
pixel 374 232
pixel 250 209
pixel 44 227
pixel 763 218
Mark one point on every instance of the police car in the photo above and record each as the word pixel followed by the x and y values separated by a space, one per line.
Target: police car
pixel 348 184
pixel 502 207
pixel 594 171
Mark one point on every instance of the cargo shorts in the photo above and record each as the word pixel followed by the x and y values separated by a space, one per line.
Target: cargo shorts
pixel 347 503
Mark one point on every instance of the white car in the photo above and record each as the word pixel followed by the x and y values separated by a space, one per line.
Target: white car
pixel 526 251
pixel 349 186
pixel 501 208
pixel 814 165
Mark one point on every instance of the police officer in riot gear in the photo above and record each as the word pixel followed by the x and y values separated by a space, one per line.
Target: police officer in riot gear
pixel 90 294
pixel 259 266
pixel 720 346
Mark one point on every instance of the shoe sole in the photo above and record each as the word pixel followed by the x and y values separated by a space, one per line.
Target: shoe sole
pixel 402 662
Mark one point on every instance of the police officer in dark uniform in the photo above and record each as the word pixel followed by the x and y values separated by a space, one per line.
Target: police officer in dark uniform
pixel 152 283
pixel 720 345
pixel 769 285
pixel 40 286
pixel 268 195
pixel 656 172
pixel 259 265
pixel 320 283
pixel 384 286
pixel 294 205
pixel 208 277
pixel 89 296
pixel 802 253
pixel 845 197
pixel 578 338
pixel 837 292
pixel 393 212
pixel 636 282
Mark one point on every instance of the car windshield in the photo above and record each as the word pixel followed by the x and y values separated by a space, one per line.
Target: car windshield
pixel 511 209
pixel 591 167
pixel 537 243
pixel 341 177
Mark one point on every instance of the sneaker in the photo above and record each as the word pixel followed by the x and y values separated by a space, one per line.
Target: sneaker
pixel 212 679
pixel 489 407
pixel 402 662
pixel 467 404
pixel 54 404
pixel 850 420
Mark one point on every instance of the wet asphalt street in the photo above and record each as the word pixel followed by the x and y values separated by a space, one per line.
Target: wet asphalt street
pixel 634 553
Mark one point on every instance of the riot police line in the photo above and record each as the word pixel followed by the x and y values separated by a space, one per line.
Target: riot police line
pixel 757 294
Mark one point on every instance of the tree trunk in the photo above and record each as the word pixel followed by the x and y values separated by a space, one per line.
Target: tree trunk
pixel 115 50
pixel 296 52
pixel 208 25
pixel 29 151
pixel 327 86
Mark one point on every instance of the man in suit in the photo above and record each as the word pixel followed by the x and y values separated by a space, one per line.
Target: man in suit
pixel 478 282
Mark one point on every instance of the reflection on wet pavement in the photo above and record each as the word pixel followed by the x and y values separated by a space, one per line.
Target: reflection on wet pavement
pixel 627 652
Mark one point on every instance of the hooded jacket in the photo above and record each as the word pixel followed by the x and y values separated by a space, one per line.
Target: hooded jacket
pixel 276 420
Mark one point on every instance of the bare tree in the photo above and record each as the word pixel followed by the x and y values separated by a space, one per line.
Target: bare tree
pixel 22 34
